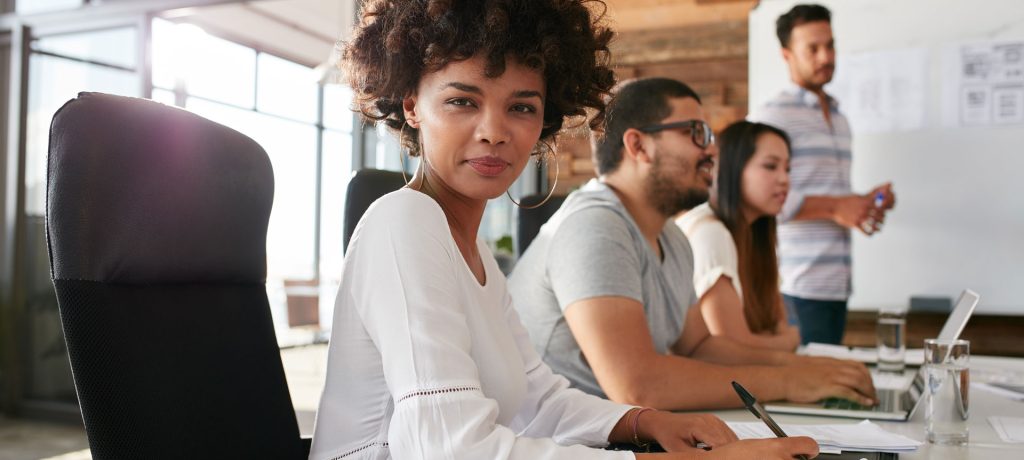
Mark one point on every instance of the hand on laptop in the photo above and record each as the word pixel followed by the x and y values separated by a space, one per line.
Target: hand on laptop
pixel 819 378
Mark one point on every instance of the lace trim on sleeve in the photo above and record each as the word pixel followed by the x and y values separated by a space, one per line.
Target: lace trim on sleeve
pixel 381 444
pixel 435 391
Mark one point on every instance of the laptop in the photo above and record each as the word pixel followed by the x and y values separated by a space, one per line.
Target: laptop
pixel 893 404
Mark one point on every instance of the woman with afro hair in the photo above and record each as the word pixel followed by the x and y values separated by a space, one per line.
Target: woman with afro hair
pixel 428 358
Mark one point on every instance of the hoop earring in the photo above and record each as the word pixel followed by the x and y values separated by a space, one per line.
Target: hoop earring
pixel 550 192
pixel 401 158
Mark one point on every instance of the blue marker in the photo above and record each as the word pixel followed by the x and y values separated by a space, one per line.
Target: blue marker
pixel 879 199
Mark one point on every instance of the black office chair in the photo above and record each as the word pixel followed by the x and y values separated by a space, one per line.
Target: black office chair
pixel 365 187
pixel 530 220
pixel 156 225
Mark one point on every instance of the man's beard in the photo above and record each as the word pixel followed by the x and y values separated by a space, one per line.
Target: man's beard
pixel 667 196
pixel 813 82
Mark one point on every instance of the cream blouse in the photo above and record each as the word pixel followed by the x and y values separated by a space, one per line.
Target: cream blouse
pixel 426 363
pixel 714 251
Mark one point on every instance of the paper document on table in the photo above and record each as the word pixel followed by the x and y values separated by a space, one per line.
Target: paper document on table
pixel 1014 392
pixel 914 356
pixel 1010 429
pixel 864 436
pixel 892 380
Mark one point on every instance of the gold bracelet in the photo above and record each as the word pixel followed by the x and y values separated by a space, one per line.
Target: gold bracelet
pixel 636 436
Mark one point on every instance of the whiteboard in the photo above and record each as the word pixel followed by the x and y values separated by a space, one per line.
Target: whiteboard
pixel 959 218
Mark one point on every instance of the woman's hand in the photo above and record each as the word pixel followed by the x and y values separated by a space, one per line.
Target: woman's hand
pixel 767 449
pixel 679 434
pixel 759 449
pixel 682 432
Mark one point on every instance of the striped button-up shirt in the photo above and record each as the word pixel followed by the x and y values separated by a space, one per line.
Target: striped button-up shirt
pixel 814 255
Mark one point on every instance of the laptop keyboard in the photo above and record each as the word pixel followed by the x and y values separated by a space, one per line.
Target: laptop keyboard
pixel 839 403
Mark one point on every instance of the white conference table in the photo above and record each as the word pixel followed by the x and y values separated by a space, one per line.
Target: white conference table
pixel 984 441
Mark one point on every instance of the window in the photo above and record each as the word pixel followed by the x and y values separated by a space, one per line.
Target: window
pixel 163 96
pixel 277 103
pixel 338 114
pixel 286 89
pixel 215 69
pixel 39 6
pixel 335 172
pixel 115 47
pixel 59 68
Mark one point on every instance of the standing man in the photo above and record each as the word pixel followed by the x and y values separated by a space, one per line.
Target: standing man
pixel 821 209
pixel 606 287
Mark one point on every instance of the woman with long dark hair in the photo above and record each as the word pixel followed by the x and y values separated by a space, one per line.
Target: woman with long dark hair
pixel 736 272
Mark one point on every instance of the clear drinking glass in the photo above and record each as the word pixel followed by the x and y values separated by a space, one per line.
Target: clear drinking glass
pixel 948 384
pixel 892 344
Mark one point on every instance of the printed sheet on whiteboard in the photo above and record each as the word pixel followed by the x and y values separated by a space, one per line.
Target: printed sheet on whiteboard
pixel 984 84
pixel 882 91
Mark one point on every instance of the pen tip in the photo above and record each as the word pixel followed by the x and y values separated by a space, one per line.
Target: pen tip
pixel 748 399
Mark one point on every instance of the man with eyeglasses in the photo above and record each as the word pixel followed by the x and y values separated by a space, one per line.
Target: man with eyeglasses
pixel 605 289
pixel 821 208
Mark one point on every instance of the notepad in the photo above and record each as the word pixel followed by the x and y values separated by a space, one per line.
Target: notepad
pixel 1010 429
pixel 862 437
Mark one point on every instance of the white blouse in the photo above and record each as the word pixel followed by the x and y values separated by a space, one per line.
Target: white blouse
pixel 714 251
pixel 424 362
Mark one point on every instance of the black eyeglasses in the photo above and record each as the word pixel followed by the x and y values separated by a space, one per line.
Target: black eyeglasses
pixel 700 131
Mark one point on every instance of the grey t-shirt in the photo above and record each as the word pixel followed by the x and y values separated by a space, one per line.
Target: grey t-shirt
pixel 591 248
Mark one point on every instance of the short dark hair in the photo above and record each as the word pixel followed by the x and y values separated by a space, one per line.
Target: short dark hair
pixel 800 14
pixel 397 42
pixel 637 103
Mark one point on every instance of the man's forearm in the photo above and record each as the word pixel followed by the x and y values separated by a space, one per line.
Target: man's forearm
pixel 680 383
pixel 723 350
pixel 777 342
pixel 817 207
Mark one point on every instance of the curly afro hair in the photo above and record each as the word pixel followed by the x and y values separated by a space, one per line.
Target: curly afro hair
pixel 398 41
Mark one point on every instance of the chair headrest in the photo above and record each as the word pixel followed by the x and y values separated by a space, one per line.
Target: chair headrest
pixel 139 192
pixel 365 187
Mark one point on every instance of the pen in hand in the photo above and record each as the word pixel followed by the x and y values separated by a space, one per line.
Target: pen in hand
pixel 871 224
pixel 879 199
pixel 758 410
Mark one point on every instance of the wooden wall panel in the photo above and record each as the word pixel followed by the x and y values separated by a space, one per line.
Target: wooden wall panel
pixel 721 69
pixel 989 334
pixel 720 40
pixel 710 55
pixel 627 15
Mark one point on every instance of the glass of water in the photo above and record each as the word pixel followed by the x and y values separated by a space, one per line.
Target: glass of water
pixel 892 344
pixel 948 383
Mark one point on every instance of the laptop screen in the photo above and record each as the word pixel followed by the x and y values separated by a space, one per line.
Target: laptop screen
pixel 950 331
pixel 961 313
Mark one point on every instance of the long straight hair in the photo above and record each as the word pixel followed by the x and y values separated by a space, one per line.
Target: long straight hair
pixel 755 241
